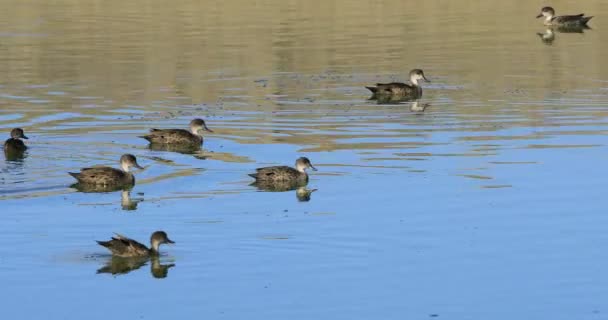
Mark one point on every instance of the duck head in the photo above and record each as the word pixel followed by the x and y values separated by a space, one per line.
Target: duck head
pixel 546 12
pixel 197 126
pixel 158 238
pixel 17 133
pixel 417 74
pixel 127 161
pixel 303 163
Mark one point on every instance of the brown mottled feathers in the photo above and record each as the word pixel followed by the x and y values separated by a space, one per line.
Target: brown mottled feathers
pixel 103 176
pixel 172 136
pixel 13 144
pixel 125 247
pixel 395 88
pixel 577 19
pixel 278 173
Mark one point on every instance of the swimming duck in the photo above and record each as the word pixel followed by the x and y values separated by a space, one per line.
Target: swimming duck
pixel 107 176
pixel 14 143
pixel 551 19
pixel 401 89
pixel 122 246
pixel 179 136
pixel 281 174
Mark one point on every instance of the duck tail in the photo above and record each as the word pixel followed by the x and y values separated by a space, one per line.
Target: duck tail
pixel 253 175
pixel 74 174
pixel 586 19
pixel 103 243
pixel 149 138
pixel 373 89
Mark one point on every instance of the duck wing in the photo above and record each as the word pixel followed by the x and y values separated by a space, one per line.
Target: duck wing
pixel 275 173
pixel 100 175
pixel 124 247
pixel 121 265
pixel 171 136
pixel 576 18
pixel 395 88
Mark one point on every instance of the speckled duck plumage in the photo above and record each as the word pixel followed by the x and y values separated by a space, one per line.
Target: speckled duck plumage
pixel 578 20
pixel 398 89
pixel 280 174
pixel 122 246
pixel 179 136
pixel 108 176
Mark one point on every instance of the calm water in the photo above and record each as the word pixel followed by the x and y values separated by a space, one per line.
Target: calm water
pixel 489 204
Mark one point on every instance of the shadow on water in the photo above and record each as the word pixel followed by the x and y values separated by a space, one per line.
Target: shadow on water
pixel 119 265
pixel 548 36
pixel 302 192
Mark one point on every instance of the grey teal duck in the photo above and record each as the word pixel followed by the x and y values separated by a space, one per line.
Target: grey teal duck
pixel 401 90
pixel 107 176
pixel 14 143
pixel 122 246
pixel 282 174
pixel 179 136
pixel 578 20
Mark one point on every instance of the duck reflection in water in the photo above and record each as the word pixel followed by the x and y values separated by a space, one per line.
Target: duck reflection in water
pixel 127 203
pixel 418 106
pixel 549 35
pixel 178 148
pixel 302 192
pixel 121 265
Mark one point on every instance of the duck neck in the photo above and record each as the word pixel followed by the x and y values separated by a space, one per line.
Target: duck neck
pixel 300 168
pixel 154 245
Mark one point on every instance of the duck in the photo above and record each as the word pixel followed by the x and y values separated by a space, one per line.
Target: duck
pixel 179 136
pixel 107 176
pixel 122 246
pixel 14 143
pixel 578 20
pixel 282 174
pixel 398 89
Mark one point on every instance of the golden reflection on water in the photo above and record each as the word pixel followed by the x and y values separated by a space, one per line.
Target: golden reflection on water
pixel 95 75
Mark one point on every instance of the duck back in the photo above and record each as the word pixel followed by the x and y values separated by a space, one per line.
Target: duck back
pixel 172 136
pixel 103 176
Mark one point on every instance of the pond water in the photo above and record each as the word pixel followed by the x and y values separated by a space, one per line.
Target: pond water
pixel 485 199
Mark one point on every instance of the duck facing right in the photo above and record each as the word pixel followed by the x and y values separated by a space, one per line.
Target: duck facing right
pixel 281 174
pixel 122 246
pixel 398 89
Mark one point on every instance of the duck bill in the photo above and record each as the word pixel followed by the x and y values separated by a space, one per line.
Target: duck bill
pixel 24 137
pixel 136 165
pixel 169 241
pixel 313 168
pixel 207 129
pixel 539 15
pixel 425 79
